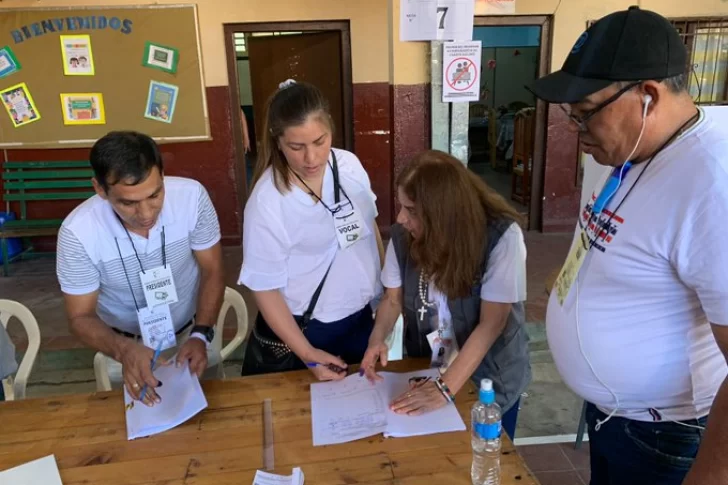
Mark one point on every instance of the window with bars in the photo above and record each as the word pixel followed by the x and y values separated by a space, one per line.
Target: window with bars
pixel 707 42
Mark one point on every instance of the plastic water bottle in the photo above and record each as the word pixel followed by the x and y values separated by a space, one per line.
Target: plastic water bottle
pixel 486 430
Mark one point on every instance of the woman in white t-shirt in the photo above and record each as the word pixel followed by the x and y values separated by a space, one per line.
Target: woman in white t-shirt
pixel 311 247
pixel 455 268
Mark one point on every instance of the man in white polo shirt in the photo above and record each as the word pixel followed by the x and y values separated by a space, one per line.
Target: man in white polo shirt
pixel 140 263
pixel 637 321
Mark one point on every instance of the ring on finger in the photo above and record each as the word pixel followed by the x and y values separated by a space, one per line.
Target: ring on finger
pixel 135 386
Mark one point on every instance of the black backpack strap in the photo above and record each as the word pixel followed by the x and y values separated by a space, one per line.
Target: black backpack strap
pixel 314 299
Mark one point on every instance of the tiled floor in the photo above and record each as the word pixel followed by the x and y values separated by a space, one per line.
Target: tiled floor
pixel 558 464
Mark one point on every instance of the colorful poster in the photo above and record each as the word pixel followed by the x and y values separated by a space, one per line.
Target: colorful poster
pixel 83 109
pixel 8 62
pixel 160 57
pixel 19 105
pixel 78 59
pixel 161 101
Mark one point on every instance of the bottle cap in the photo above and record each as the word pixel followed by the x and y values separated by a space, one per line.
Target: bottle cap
pixel 486 385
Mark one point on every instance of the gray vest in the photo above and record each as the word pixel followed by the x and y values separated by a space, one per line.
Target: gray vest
pixel 507 361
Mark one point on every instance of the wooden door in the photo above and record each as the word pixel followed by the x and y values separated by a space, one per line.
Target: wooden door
pixel 311 57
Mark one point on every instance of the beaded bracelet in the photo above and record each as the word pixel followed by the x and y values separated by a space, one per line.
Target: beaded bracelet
pixel 445 390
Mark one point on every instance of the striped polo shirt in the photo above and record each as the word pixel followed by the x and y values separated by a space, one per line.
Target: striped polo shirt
pixel 88 259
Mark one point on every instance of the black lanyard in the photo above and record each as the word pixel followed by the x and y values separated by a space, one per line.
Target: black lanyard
pixel 603 227
pixel 123 265
pixel 337 187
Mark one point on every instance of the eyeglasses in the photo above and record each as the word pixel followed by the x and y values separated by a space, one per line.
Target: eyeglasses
pixel 581 121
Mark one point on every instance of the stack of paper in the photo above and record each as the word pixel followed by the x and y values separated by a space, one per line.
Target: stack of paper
pixel 265 478
pixel 182 398
pixel 353 408
pixel 43 470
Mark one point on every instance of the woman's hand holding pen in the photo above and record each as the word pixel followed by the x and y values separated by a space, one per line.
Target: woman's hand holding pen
pixel 325 366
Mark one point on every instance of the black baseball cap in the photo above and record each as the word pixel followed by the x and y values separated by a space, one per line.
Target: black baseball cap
pixel 630 45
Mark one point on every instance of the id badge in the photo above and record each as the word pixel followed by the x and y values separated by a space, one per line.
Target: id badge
pixel 571 267
pixel 348 225
pixel 156 325
pixel 444 350
pixel 158 285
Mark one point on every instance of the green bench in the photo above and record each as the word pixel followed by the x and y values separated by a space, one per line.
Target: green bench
pixel 26 182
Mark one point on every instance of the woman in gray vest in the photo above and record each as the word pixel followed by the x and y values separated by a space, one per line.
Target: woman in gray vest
pixel 455 268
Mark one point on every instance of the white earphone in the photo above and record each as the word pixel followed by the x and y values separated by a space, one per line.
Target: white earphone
pixel 648 100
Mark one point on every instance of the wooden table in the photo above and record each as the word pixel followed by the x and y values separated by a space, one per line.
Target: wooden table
pixel 223 444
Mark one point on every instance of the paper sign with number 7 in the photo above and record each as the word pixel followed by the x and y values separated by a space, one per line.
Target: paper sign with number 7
pixel 441 14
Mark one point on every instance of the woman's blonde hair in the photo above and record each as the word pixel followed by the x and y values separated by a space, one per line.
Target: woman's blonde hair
pixel 454 207
pixel 290 106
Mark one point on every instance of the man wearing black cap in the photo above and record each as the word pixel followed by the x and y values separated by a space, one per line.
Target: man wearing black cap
pixel 638 318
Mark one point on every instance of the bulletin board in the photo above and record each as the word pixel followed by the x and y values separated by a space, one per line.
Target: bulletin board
pixel 140 57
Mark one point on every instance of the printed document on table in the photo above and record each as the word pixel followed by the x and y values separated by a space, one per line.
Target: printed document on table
pixel 347 410
pixel 353 408
pixel 182 398
pixel 265 478
pixel 443 420
pixel 43 470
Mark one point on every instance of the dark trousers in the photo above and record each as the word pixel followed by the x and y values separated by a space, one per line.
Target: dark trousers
pixel 346 338
pixel 510 419
pixel 628 452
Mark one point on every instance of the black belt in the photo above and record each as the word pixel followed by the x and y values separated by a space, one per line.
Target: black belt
pixel 131 335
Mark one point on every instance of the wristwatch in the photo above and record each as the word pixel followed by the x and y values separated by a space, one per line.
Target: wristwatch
pixel 204 333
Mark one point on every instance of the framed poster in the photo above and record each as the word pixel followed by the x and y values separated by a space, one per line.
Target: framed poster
pixel 19 105
pixel 83 109
pixel 160 57
pixel 161 101
pixel 78 60
pixel 8 62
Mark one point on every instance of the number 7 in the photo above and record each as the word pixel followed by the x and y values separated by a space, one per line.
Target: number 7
pixel 442 13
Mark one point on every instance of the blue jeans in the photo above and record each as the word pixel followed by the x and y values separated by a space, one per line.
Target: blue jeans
pixel 510 419
pixel 628 452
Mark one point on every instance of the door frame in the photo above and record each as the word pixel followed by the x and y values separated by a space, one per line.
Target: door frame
pixel 230 29
pixel 535 209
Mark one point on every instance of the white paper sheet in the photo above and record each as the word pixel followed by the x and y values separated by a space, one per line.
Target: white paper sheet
pixel 354 408
pixel 182 398
pixel 347 410
pixel 265 478
pixel 436 20
pixel 443 420
pixel 43 470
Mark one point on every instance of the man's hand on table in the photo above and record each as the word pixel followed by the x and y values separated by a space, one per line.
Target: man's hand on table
pixel 136 362
pixel 194 351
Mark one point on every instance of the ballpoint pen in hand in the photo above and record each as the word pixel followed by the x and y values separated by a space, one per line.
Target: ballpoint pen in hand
pixel 154 362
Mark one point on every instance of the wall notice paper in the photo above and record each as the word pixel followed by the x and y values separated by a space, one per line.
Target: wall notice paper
pixel 353 409
pixel 182 398
pixel 8 62
pixel 78 60
pixel 495 7
pixel 19 105
pixel 43 470
pixel 265 478
pixel 161 101
pixel 461 71
pixel 83 108
pixel 436 20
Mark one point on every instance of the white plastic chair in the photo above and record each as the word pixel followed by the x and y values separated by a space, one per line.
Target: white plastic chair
pixel 232 299
pixel 15 386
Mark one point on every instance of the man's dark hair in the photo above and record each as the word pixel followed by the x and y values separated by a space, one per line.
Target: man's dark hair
pixel 124 156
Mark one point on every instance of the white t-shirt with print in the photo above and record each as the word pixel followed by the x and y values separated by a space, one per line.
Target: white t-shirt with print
pixel 504 280
pixel 289 241
pixel 648 291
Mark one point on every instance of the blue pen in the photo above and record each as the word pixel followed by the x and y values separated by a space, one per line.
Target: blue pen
pixel 154 362
pixel 332 367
